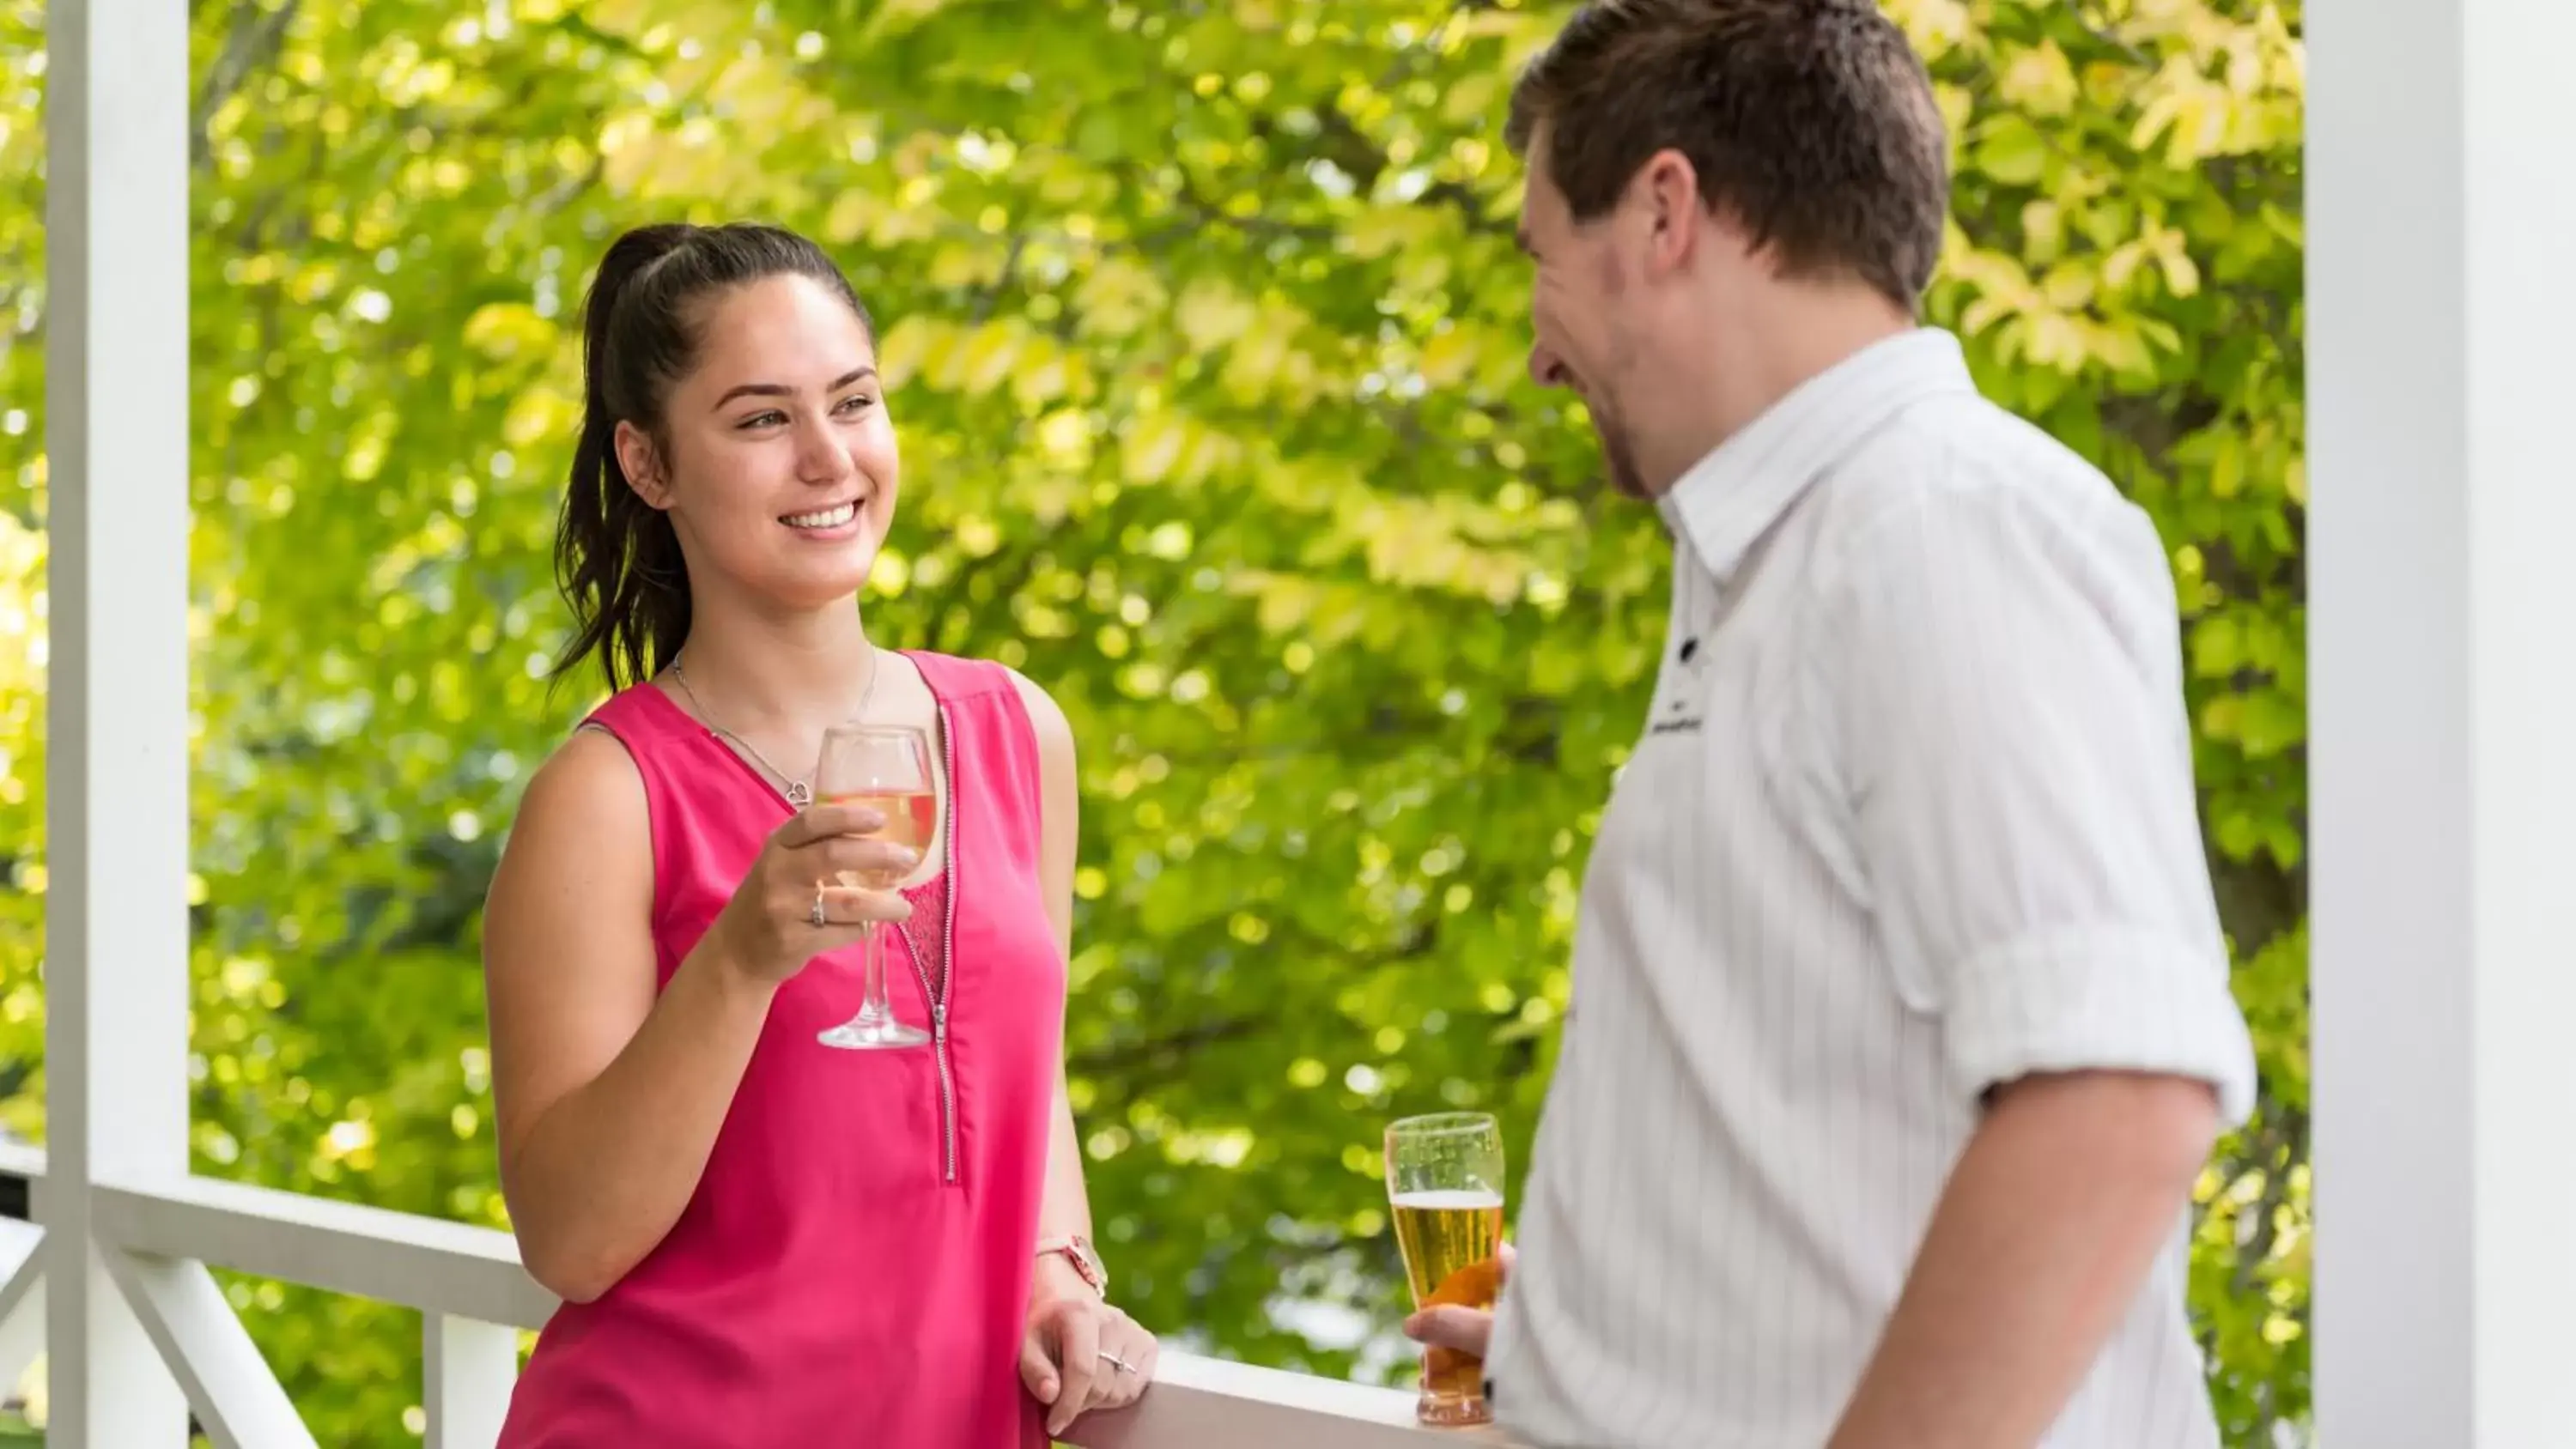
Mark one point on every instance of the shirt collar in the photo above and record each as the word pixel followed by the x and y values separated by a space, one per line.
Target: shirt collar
pixel 1730 498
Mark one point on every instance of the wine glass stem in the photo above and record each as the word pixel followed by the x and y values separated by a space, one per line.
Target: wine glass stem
pixel 877 1007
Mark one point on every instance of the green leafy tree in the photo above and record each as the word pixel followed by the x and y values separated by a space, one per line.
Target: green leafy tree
pixel 1207 342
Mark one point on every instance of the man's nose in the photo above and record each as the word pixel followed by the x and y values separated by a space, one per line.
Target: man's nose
pixel 1546 368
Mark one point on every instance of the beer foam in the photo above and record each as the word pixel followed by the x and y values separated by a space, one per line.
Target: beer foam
pixel 1450 1199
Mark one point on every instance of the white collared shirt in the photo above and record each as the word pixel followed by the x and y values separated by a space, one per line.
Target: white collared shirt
pixel 1912 815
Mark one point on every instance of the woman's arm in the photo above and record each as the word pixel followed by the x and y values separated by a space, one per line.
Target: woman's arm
pixel 1066 1208
pixel 1070 1327
pixel 606 1097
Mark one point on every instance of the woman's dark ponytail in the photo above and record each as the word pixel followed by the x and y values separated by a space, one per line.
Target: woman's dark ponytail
pixel 617 559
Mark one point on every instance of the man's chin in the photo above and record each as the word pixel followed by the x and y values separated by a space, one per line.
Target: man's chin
pixel 1624 478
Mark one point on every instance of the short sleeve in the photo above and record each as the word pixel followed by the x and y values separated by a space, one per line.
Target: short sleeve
pixel 2006 689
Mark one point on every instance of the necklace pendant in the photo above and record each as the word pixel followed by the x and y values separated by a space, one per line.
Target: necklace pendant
pixel 799 794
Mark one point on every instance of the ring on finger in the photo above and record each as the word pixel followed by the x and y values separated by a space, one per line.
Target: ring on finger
pixel 1114 1361
pixel 815 916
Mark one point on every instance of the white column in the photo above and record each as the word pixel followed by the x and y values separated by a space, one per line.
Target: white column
pixel 116 399
pixel 2442 635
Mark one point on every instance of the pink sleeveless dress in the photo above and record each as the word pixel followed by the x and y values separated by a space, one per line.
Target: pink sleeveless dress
pixel 854 1266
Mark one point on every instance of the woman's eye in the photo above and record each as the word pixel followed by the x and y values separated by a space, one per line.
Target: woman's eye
pixel 763 420
pixel 855 403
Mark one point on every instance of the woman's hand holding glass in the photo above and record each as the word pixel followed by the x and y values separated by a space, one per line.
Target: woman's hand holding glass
pixel 791 906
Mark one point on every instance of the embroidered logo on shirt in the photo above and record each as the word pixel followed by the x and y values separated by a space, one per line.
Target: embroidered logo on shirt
pixel 1680 707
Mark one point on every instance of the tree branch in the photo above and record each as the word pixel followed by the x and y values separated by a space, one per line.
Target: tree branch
pixel 252 42
pixel 1162 1051
pixel 2278 1149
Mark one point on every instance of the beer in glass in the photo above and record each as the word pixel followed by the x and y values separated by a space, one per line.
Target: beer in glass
pixel 1444 1180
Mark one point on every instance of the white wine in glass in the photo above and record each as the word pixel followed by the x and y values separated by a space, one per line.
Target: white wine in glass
pixel 1444 1179
pixel 912 818
pixel 885 768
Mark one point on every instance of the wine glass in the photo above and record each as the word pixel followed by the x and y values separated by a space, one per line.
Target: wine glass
pixel 885 768
pixel 1444 1179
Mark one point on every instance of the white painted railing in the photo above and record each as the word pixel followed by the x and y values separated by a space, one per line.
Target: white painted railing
pixel 474 1297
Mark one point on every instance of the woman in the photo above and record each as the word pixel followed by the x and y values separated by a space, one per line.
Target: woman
pixel 761 1240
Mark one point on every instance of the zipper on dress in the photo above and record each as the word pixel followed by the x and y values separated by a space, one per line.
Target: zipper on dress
pixel 937 995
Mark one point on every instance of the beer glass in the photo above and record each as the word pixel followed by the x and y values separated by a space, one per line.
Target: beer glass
pixel 1444 1180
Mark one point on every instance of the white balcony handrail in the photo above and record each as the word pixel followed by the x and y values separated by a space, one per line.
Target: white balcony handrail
pixel 420 1262
pixel 1200 1401
pixel 459 1276
pixel 22 1160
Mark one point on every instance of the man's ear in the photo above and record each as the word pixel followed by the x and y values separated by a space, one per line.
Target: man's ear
pixel 1668 188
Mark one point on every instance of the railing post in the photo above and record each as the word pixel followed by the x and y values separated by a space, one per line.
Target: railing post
pixel 467 1372
pixel 116 964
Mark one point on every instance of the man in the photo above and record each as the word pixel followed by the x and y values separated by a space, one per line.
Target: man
pixel 1902 1023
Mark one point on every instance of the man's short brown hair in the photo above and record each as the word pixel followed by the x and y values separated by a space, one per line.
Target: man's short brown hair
pixel 1811 124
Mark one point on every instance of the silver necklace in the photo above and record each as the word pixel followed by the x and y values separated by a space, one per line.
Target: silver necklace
pixel 798 791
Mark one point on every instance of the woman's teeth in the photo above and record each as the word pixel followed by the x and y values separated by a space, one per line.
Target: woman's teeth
pixel 827 518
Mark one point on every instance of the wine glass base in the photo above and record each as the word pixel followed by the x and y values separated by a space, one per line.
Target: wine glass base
pixel 861 1034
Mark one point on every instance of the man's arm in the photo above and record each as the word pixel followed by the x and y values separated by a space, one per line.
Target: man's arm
pixel 2069 1189
pixel 2001 655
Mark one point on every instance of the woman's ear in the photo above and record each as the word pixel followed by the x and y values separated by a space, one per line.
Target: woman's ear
pixel 642 466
